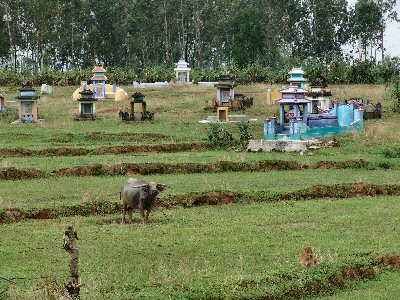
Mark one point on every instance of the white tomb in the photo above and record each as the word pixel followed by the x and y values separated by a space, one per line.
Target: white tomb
pixel 182 71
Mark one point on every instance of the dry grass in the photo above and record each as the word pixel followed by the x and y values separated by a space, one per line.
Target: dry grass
pixel 378 131
pixel 372 92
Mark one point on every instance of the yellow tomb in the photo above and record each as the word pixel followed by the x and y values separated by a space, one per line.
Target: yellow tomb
pixel 101 89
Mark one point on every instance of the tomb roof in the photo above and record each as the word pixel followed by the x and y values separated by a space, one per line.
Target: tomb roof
pixel 98 70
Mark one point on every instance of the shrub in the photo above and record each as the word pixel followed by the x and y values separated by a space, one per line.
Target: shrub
pixel 338 72
pixel 361 72
pixel 123 75
pixel 393 152
pixel 157 73
pixel 244 133
pixel 205 74
pixel 395 95
pixel 313 70
pixel 386 70
pixel 219 136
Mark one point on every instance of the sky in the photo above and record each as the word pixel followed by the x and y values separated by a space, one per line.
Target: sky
pixel 392 33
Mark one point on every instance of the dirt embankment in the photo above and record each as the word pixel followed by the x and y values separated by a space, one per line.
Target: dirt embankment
pixel 18 174
pixel 183 168
pixel 318 285
pixel 167 148
pixel 339 191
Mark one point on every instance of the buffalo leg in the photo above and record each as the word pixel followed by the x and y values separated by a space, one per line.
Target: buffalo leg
pixel 147 215
pixel 123 214
pixel 130 211
pixel 141 208
pixel 143 215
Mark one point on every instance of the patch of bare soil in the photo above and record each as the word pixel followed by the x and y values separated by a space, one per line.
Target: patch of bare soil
pixel 385 260
pixel 358 272
pixel 213 198
pixel 107 110
pixel 42 214
pixel 353 190
pixel 13 215
pixel 352 164
pixel 167 168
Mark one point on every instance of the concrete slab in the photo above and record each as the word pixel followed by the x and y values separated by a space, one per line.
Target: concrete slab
pixel 281 145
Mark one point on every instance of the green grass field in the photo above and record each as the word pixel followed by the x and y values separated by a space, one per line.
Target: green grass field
pixel 243 250
pixel 203 250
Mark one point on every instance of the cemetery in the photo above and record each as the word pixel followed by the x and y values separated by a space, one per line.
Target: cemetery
pixel 198 150
pixel 84 164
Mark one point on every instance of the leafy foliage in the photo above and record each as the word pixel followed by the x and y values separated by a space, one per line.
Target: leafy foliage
pixel 395 95
pixel 219 136
pixel 393 152
pixel 244 133
pixel 67 34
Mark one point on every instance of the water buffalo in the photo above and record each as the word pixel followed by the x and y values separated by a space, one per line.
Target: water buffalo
pixel 140 194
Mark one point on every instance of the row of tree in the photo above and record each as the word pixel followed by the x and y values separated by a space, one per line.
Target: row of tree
pixel 66 34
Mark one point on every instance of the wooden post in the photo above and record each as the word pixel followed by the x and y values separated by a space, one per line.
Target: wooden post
pixel 71 246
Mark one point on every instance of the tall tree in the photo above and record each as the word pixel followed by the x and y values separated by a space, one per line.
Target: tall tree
pixel 328 22
pixel 247 35
pixel 5 33
pixel 387 13
pixel 367 24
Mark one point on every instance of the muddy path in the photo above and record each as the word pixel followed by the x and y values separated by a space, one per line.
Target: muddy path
pixel 133 169
pixel 338 191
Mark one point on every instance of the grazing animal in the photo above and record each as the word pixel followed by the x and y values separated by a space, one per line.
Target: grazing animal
pixel 307 258
pixel 140 194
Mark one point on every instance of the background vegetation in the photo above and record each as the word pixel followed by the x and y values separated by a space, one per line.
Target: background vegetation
pixel 258 41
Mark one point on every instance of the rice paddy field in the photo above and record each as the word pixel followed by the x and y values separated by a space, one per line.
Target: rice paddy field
pixel 230 225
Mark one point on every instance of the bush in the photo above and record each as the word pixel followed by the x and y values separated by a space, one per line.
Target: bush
pixel 219 136
pixel 205 74
pixel 361 72
pixel 158 73
pixel 386 70
pixel 338 72
pixel 123 76
pixel 395 95
pixel 313 70
pixel 244 133
pixel 393 152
